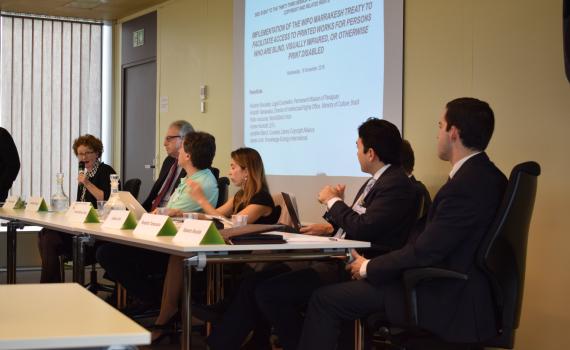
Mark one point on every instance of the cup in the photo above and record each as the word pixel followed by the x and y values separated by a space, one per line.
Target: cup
pixel 193 216
pixel 162 211
pixel 239 220
pixel 101 209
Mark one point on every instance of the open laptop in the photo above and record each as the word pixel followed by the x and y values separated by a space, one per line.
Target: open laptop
pixel 132 204
pixel 292 211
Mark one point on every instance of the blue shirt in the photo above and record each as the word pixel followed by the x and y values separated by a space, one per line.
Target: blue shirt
pixel 180 199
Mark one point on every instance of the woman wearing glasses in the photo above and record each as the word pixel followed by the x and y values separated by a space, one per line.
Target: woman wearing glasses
pixel 93 185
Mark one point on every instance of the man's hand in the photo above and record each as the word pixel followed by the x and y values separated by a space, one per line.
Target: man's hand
pixel 327 193
pixel 317 229
pixel 354 266
pixel 340 190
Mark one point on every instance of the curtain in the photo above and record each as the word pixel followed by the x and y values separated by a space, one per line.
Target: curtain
pixel 50 93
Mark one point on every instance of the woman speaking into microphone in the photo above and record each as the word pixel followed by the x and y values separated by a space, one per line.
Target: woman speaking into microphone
pixel 93 185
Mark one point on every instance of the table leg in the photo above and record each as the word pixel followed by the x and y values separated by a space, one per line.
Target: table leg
pixel 187 305
pixel 11 245
pixel 79 243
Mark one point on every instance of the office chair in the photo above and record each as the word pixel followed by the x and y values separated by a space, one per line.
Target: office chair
pixel 223 185
pixel 133 186
pixel 502 257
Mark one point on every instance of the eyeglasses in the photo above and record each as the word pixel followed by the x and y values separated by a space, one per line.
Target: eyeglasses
pixel 170 138
pixel 88 153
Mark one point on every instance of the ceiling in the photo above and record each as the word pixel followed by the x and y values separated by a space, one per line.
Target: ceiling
pixel 91 9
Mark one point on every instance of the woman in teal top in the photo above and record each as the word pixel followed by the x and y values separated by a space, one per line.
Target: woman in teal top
pixel 180 202
pixel 195 157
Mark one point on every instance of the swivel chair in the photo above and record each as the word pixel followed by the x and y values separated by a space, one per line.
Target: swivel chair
pixel 502 257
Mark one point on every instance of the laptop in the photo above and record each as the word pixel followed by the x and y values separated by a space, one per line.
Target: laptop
pixel 132 204
pixel 292 212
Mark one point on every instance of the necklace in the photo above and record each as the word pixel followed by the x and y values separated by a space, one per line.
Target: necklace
pixel 89 175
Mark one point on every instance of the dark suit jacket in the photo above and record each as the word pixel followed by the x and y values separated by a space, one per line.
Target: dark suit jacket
pixel 9 163
pixel 390 212
pixel 462 211
pixel 166 165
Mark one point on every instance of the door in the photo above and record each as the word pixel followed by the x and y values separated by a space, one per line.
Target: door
pixel 138 56
pixel 139 125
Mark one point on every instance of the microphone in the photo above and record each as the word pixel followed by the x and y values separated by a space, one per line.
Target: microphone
pixel 81 167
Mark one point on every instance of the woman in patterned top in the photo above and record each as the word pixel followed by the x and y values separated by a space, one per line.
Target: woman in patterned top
pixel 93 185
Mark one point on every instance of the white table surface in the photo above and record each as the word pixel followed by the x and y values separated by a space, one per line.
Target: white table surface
pixel 56 316
pixel 165 244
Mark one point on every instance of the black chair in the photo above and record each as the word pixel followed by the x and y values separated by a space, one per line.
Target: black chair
pixel 133 186
pixel 502 257
pixel 223 185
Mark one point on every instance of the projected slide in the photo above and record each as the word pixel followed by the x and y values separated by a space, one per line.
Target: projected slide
pixel 313 72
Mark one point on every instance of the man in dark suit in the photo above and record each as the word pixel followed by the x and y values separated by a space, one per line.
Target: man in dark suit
pixel 172 143
pixel 132 267
pixel 9 163
pixel 382 213
pixel 463 209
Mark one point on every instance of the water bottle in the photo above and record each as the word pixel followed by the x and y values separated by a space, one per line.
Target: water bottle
pixel 59 201
pixel 114 202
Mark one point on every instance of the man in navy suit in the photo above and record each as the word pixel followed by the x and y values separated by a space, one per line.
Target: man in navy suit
pixel 463 209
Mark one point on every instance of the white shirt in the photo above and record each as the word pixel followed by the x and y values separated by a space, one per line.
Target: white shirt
pixel 458 165
pixel 374 178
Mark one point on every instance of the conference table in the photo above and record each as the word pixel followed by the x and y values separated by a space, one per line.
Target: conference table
pixel 297 248
pixel 63 315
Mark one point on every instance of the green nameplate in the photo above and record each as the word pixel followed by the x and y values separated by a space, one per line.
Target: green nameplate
pixel 92 217
pixel 130 223
pixel 168 229
pixel 36 204
pixel 20 204
pixel 198 232
pixel 212 236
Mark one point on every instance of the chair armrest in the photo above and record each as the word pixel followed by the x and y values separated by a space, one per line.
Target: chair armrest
pixel 413 277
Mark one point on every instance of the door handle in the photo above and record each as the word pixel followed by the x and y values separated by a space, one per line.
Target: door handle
pixel 149 166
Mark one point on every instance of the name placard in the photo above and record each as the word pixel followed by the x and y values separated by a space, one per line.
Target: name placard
pixel 197 232
pixel 151 225
pixel 10 202
pixel 36 204
pixel 120 219
pixel 82 212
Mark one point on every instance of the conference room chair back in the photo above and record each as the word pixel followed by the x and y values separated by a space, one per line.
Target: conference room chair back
pixel 133 186
pixel 502 257
pixel 223 188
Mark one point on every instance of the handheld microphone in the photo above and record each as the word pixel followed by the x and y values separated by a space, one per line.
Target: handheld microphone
pixel 81 167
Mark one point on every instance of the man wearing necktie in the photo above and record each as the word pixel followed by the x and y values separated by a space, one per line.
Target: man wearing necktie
pixel 457 311
pixel 382 213
pixel 170 173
